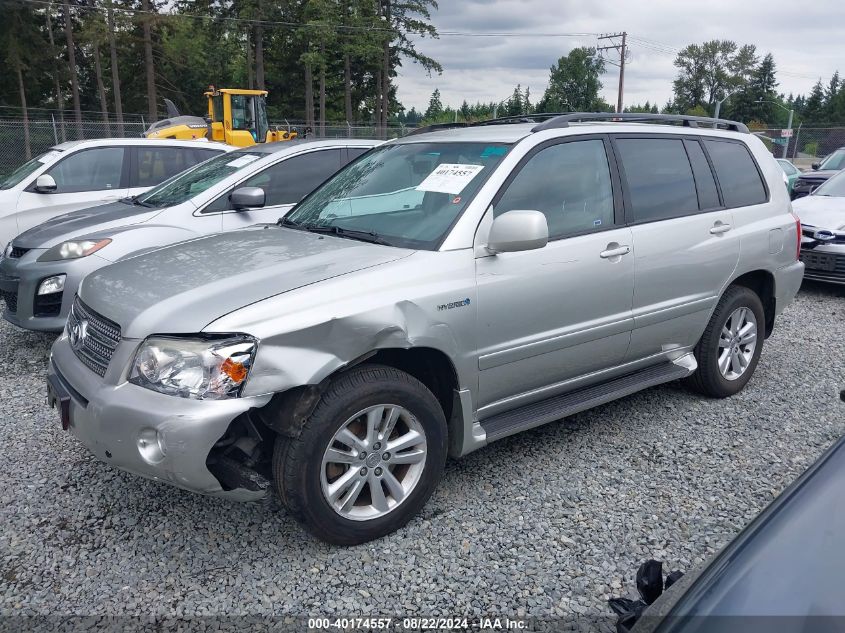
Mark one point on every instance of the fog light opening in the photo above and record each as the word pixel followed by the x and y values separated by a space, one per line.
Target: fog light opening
pixel 52 285
pixel 151 446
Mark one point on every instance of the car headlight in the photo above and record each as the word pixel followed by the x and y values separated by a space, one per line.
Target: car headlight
pixel 196 368
pixel 73 249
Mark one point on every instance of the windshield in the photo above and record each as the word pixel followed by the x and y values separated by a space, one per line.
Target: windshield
pixel 835 161
pixel 834 187
pixel 194 181
pixel 26 169
pixel 787 167
pixel 407 194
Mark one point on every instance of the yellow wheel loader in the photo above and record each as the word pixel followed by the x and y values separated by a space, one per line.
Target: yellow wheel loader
pixel 236 117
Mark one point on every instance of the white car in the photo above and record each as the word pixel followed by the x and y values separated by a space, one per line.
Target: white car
pixel 80 174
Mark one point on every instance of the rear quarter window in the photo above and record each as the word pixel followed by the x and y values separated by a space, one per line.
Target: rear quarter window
pixel 737 172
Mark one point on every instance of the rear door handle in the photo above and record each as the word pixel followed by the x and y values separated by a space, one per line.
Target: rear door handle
pixel 615 252
pixel 719 228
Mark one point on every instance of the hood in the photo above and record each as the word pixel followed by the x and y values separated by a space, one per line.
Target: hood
pixel 821 174
pixel 84 222
pixel 182 288
pixel 823 212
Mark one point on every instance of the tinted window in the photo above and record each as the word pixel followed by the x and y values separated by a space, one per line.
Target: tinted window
pixel 788 168
pixel 708 195
pixel 570 183
pixel 835 161
pixel 289 181
pixel 738 176
pixel 355 152
pixel 659 177
pixel 89 170
pixel 157 164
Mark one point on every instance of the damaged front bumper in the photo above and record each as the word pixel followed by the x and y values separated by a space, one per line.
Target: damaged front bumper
pixel 146 433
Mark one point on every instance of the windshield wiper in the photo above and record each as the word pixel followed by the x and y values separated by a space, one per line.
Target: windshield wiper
pixel 283 221
pixel 352 234
pixel 134 200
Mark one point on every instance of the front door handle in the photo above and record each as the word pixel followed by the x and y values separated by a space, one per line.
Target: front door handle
pixel 719 228
pixel 617 251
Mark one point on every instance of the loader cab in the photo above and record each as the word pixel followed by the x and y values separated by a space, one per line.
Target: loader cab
pixel 239 117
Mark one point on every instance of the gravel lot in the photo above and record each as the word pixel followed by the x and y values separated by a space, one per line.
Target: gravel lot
pixel 550 522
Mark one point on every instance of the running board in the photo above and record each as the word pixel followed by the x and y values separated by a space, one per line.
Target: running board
pixel 538 413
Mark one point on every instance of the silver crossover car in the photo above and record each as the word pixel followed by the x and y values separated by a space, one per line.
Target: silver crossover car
pixel 41 268
pixel 444 291
pixel 822 216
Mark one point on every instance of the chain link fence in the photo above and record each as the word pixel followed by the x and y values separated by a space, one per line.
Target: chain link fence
pixel 803 146
pixel 20 141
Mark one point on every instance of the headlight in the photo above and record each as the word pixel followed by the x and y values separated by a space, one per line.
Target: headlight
pixel 201 369
pixel 73 249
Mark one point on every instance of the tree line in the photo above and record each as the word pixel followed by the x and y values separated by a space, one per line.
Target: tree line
pixel 320 60
pixel 718 70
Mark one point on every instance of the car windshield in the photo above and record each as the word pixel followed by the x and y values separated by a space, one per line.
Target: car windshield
pixel 787 167
pixel 835 161
pixel 194 181
pixel 9 181
pixel 405 194
pixel 833 187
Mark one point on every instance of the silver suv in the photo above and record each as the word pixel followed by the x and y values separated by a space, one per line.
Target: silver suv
pixel 443 291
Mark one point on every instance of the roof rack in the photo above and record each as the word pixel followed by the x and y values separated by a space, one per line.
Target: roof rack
pixel 564 120
pixel 504 120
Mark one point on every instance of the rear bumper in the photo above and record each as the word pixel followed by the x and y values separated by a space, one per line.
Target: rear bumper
pixel 146 433
pixel 787 283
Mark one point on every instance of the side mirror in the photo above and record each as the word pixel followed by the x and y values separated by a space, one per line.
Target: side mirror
pixel 815 166
pixel 45 183
pixel 247 198
pixel 520 230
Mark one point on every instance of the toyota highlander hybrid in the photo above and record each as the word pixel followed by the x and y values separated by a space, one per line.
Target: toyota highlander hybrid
pixel 42 267
pixel 444 291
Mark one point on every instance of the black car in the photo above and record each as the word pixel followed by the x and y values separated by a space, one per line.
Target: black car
pixel 830 166
pixel 784 572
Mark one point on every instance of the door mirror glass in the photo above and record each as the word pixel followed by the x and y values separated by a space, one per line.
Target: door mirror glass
pixel 45 183
pixel 518 230
pixel 247 198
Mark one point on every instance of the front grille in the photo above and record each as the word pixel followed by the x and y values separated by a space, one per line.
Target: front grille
pixel 823 264
pixel 97 337
pixel 49 305
pixel 18 252
pixel 11 299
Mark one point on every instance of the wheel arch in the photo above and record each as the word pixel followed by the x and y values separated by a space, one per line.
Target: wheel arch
pixel 762 283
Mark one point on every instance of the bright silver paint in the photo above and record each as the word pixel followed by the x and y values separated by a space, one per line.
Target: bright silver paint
pixel 531 324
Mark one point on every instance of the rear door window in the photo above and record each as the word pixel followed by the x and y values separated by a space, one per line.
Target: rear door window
pixel 659 178
pixel 97 169
pixel 737 172
pixel 156 164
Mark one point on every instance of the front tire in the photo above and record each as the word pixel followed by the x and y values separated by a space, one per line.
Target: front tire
pixel 730 347
pixel 367 459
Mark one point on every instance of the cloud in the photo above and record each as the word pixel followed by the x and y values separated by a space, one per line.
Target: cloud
pixel 804 39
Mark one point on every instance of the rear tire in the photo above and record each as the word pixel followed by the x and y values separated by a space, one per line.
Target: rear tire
pixel 726 358
pixel 347 478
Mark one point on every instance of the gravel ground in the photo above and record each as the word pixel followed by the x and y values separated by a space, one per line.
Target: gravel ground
pixel 550 522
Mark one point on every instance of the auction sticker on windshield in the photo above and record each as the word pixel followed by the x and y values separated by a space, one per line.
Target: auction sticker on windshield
pixel 449 178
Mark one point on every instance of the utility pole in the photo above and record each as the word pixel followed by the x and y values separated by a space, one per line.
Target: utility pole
pixel 622 49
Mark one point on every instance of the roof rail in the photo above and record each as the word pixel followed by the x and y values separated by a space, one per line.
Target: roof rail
pixel 519 118
pixel 436 126
pixel 564 120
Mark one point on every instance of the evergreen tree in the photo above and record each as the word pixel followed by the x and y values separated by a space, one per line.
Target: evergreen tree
pixel 435 106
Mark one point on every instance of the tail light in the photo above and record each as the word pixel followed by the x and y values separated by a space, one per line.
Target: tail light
pixel 797 235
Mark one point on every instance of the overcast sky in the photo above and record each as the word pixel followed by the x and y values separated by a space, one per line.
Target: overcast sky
pixel 807 40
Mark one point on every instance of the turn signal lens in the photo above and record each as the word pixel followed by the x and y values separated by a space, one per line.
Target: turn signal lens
pixel 234 370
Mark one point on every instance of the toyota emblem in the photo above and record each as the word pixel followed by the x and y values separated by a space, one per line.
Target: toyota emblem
pixel 77 333
pixel 823 235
